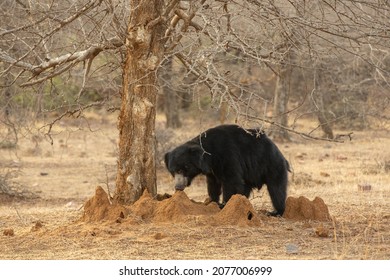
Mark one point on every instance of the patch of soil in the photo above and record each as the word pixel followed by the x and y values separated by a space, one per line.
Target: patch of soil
pixel 11 197
pixel 177 208
pixel 237 211
pixel 303 209
pixel 100 208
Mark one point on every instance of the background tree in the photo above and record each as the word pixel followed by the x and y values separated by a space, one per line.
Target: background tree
pixel 62 56
pixel 171 101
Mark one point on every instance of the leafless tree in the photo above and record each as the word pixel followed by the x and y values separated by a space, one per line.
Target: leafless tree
pixel 171 96
pixel 229 47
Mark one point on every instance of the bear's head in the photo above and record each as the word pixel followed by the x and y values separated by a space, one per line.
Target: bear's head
pixel 185 163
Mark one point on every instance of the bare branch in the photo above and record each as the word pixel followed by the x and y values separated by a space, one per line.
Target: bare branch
pixel 4 57
pixel 187 22
pixel 85 55
pixel 302 134
pixel 75 112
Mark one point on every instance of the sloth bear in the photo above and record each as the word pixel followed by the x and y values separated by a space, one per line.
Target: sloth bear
pixel 235 160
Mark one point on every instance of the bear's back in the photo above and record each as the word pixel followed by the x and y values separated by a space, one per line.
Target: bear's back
pixel 232 139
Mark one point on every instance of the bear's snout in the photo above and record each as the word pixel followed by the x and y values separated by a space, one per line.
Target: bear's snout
pixel 181 182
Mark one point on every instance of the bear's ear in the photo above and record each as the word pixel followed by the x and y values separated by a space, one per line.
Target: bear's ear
pixel 167 160
pixel 200 155
pixel 204 161
pixel 194 149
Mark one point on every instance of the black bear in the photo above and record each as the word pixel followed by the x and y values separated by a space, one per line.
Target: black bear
pixel 235 160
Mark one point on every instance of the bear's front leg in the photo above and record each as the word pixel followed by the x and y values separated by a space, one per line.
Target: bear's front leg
pixel 234 186
pixel 214 188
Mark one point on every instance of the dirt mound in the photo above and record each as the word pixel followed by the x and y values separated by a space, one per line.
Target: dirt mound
pixel 237 211
pixel 100 208
pixel 177 208
pixel 144 207
pixel 303 209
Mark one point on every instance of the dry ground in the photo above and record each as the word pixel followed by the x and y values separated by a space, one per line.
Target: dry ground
pixel 352 178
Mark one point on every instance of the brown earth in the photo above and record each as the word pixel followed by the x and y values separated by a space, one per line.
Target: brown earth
pixel 54 209
pixel 303 209
pixel 175 209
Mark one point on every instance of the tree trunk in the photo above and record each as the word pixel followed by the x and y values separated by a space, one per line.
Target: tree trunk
pixel 320 104
pixel 7 93
pixel 324 123
pixel 171 104
pixel 281 97
pixel 136 124
pixel 171 109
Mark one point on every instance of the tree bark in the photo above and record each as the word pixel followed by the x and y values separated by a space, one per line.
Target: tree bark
pixel 320 104
pixel 281 97
pixel 136 124
pixel 171 104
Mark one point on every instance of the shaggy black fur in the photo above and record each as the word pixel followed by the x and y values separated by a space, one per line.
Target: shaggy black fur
pixel 234 160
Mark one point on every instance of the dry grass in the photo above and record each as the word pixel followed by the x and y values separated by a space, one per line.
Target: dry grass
pixel 65 176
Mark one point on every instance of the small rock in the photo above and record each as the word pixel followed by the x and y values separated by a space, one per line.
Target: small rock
pixel 364 187
pixel 159 236
pixel 341 157
pixel 292 248
pixel 37 226
pixel 324 174
pixel 322 231
pixel 9 232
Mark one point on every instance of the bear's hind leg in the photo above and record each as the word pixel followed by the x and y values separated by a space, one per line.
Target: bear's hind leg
pixel 278 194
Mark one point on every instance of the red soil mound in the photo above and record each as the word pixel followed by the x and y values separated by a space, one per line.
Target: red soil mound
pixel 303 209
pixel 237 211
pixel 100 208
pixel 179 208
